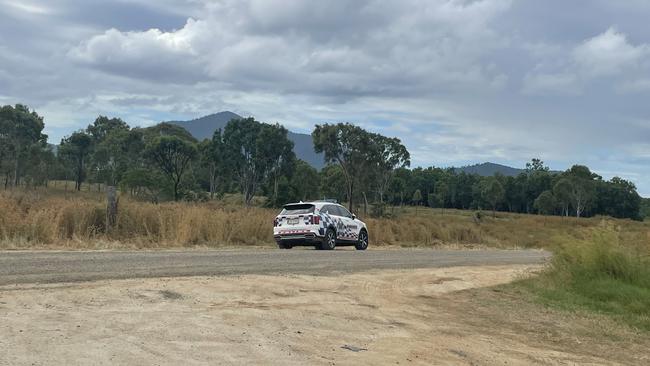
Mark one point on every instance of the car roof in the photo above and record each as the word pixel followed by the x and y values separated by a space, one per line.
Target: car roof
pixel 318 204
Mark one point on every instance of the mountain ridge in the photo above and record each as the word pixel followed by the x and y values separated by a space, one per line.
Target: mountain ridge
pixel 204 127
pixel 489 169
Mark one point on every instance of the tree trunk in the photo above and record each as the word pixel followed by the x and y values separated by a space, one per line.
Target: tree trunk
pixel 275 189
pixel 16 178
pixel 212 181
pixel 111 207
pixel 176 190
pixel 350 201
pixel 79 174
pixel 365 204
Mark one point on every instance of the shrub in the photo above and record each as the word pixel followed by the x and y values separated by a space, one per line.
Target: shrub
pixel 598 273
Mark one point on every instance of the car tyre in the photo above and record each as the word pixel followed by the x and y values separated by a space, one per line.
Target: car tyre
pixel 282 245
pixel 329 241
pixel 362 243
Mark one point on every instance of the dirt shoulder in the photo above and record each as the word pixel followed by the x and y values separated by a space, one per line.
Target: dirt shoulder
pixel 423 316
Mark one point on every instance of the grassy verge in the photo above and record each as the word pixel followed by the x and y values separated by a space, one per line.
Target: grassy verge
pixel 602 274
pixel 53 218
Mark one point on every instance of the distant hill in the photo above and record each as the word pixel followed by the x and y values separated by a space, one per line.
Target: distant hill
pixel 204 127
pixel 489 169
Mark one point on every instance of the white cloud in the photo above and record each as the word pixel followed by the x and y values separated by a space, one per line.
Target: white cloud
pixel 607 54
pixel 346 48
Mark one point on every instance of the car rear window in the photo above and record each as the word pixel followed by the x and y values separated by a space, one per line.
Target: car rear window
pixel 298 209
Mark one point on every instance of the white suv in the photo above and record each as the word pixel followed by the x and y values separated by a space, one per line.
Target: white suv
pixel 322 224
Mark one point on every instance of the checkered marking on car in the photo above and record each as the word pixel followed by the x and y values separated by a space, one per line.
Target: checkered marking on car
pixel 343 231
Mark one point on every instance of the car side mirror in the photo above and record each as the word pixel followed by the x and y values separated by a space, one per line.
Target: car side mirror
pixel 354 217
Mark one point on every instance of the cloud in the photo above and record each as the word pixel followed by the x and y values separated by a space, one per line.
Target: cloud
pixel 552 84
pixel 152 54
pixel 348 48
pixel 28 8
pixel 459 81
pixel 607 54
pixel 634 86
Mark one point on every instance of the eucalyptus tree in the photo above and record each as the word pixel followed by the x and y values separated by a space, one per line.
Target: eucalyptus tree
pixel 546 203
pixel 343 144
pixel 255 152
pixel 583 188
pixel 391 155
pixel 213 158
pixel 492 192
pixel 20 131
pixel 172 155
pixel 76 149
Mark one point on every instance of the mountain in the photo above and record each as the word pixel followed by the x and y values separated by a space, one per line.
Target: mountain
pixel 489 169
pixel 204 127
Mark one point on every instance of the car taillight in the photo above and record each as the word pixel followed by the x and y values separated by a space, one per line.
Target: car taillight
pixel 314 220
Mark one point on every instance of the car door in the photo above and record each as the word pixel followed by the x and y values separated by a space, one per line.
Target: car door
pixel 334 218
pixel 351 229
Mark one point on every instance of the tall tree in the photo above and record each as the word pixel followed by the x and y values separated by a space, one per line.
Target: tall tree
pixel 332 183
pixel 618 198
pixel 492 192
pixel 254 150
pixel 212 156
pixel 343 144
pixel 442 191
pixel 417 197
pixel 391 155
pixel 76 148
pixel 22 129
pixel 276 150
pixel 305 181
pixel 582 188
pixel 562 191
pixel 172 155
pixel 545 203
pixel 103 126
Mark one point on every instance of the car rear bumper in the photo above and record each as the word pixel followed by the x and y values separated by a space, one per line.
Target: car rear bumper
pixel 298 238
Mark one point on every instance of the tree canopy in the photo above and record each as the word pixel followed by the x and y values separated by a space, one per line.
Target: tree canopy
pixel 257 159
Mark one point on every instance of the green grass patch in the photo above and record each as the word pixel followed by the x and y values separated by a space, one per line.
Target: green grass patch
pixel 597 274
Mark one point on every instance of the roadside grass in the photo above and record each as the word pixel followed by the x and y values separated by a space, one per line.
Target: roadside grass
pixel 55 218
pixel 601 274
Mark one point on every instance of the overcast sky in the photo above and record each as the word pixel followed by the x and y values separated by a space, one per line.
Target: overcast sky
pixel 459 81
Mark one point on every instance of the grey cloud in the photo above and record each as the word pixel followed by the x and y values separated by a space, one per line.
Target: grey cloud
pixel 459 81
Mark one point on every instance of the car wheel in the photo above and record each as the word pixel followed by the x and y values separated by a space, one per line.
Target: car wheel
pixel 362 243
pixel 329 241
pixel 284 246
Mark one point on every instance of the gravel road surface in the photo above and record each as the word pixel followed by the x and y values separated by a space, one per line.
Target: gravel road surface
pixel 52 267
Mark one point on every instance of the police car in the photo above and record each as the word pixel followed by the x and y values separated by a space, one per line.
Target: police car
pixel 323 224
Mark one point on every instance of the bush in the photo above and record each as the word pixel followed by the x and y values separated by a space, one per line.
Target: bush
pixel 598 274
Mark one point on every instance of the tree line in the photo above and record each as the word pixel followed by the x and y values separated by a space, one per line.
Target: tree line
pixel 366 170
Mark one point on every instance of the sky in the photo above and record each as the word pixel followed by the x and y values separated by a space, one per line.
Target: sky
pixel 459 81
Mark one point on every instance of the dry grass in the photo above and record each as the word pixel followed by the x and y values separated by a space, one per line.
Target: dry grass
pixel 52 218
pixel 34 219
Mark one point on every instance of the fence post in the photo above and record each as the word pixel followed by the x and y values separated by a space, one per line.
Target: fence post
pixel 111 207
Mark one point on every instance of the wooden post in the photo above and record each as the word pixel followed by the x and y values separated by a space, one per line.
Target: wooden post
pixel 111 207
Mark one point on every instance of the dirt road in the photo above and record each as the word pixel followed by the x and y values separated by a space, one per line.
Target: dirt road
pixel 52 267
pixel 434 316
